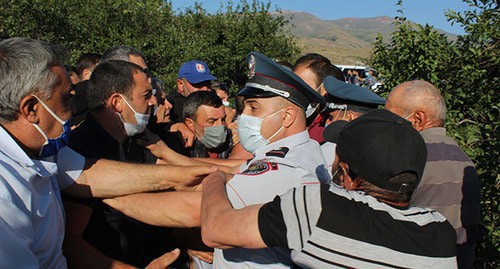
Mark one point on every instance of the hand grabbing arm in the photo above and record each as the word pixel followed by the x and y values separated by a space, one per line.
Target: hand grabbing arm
pixel 225 227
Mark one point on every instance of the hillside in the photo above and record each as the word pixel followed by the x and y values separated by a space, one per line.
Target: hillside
pixel 343 41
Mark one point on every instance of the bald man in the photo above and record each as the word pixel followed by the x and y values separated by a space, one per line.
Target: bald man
pixel 449 183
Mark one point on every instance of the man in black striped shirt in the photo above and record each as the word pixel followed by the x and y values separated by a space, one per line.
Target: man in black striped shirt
pixel 366 222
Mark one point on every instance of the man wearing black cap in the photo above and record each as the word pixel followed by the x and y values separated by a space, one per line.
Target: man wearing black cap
pixel 366 224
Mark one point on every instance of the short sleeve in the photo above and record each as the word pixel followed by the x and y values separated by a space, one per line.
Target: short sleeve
pixel 246 188
pixel 70 165
pixel 271 224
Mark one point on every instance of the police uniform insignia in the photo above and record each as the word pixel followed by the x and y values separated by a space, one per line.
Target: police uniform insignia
pixel 251 66
pixel 260 167
pixel 279 152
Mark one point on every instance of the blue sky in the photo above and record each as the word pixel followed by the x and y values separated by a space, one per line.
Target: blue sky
pixel 420 11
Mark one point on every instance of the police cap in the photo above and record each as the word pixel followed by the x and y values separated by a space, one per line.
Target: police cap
pixel 267 78
pixel 343 95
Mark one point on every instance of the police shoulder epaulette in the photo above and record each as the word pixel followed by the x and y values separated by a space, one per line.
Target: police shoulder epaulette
pixel 279 152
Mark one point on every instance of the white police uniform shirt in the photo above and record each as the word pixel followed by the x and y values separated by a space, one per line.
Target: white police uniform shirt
pixel 290 162
pixel 31 212
pixel 328 149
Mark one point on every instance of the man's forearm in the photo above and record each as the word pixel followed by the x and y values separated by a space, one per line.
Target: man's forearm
pixel 167 209
pixel 223 226
pixel 105 178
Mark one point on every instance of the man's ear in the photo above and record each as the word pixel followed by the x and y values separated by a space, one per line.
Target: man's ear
pixel 290 116
pixel 86 74
pixel 115 101
pixel 28 109
pixel 351 115
pixel 180 86
pixel 419 120
pixel 189 123
pixel 347 182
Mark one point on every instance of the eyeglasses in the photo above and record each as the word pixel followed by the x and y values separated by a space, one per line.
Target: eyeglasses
pixel 147 72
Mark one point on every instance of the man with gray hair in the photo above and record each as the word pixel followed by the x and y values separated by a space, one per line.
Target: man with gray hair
pixel 449 184
pixel 35 164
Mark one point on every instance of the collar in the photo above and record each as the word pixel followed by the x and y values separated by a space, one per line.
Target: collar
pixel 289 142
pixel 434 131
pixel 10 148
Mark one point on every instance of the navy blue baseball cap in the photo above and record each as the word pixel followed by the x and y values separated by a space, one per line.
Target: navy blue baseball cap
pixel 195 72
pixel 342 95
pixel 266 78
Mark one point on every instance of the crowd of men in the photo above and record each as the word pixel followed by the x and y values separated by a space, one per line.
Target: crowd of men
pixel 104 169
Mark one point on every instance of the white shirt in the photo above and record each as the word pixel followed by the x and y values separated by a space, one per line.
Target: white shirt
pixel 31 212
pixel 290 162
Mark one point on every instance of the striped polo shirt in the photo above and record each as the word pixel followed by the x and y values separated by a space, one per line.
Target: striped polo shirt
pixel 329 227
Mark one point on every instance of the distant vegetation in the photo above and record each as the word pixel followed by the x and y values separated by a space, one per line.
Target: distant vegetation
pixel 167 38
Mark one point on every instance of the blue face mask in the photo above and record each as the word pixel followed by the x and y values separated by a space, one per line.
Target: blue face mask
pixel 53 145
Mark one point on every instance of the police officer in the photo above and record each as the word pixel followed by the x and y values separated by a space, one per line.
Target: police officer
pixel 344 103
pixel 348 101
pixel 273 128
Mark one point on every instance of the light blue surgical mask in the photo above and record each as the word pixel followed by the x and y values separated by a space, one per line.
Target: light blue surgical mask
pixel 53 145
pixel 134 128
pixel 214 136
pixel 249 132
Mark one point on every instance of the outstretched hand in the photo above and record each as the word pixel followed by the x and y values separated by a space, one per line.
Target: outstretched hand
pixel 165 260
pixel 191 176
pixel 187 135
pixel 161 151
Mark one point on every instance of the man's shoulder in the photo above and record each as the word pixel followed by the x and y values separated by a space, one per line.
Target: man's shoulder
pixel 441 147
pixel 91 140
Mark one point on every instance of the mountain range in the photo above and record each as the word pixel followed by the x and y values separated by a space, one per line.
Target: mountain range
pixel 346 41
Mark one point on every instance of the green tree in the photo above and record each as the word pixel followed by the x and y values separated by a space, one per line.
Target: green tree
pixel 466 72
pixel 166 38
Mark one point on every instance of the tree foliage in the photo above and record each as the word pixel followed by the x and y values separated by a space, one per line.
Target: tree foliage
pixel 466 72
pixel 167 38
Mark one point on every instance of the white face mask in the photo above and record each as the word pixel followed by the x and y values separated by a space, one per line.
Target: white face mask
pixel 310 110
pixel 249 132
pixel 225 103
pixel 134 128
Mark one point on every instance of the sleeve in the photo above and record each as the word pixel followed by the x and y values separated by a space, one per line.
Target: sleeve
pixel 261 182
pixel 272 225
pixel 70 165
pixel 16 233
pixel 295 214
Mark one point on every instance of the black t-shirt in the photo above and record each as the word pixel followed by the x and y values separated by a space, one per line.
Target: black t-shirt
pixel 110 231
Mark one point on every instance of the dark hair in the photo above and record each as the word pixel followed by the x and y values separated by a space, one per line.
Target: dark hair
pixel 121 53
pixel 320 66
pixel 87 61
pixel 111 77
pixel 403 196
pixel 197 99
pixel 220 86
